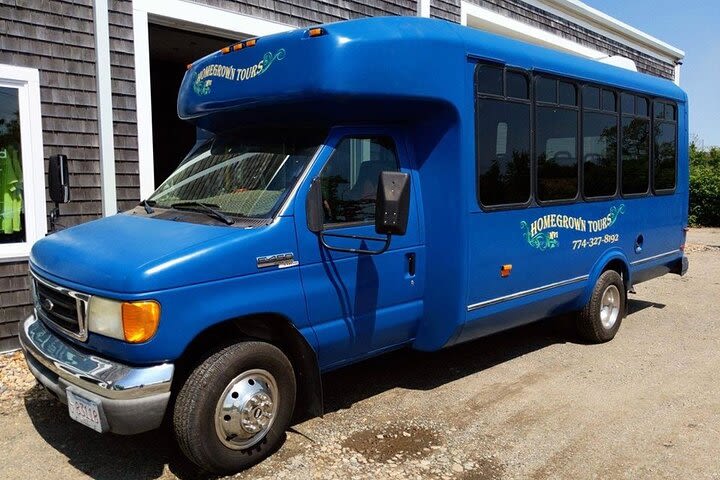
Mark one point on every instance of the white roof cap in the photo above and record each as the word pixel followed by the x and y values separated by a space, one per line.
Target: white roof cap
pixel 580 9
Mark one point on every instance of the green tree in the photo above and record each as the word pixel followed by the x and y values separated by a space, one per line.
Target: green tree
pixel 704 186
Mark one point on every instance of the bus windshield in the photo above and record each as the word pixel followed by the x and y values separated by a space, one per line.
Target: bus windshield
pixel 240 175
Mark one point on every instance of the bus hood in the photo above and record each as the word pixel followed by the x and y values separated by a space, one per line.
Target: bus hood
pixel 127 254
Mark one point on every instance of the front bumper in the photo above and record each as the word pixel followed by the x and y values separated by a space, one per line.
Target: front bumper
pixel 132 399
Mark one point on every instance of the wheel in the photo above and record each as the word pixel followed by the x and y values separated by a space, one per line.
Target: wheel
pixel 600 320
pixel 234 408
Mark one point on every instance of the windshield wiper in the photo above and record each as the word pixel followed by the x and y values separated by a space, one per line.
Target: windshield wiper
pixel 208 208
pixel 147 205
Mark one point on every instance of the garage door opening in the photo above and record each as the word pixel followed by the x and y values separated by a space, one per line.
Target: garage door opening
pixel 171 50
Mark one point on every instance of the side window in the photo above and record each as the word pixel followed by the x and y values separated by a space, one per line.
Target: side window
pixel 635 146
pixel 600 137
pixel 664 133
pixel 502 136
pixel 350 178
pixel 556 141
pixel 503 152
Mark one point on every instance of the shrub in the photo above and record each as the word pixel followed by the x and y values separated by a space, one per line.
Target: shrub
pixel 704 186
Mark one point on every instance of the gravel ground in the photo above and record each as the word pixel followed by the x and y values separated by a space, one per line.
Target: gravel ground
pixel 528 403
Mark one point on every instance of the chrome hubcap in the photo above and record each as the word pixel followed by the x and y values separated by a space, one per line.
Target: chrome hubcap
pixel 246 409
pixel 610 306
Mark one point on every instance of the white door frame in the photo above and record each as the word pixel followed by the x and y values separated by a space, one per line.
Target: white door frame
pixel 187 16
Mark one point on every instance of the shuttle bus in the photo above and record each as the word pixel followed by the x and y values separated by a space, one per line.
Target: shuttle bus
pixel 356 188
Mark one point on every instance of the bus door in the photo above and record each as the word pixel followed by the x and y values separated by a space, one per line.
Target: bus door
pixel 359 303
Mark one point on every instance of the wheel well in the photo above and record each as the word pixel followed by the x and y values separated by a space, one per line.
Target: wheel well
pixel 271 328
pixel 620 267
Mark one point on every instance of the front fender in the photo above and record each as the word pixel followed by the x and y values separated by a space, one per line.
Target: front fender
pixel 188 311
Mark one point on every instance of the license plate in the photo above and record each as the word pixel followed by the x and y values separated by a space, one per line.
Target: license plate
pixel 84 411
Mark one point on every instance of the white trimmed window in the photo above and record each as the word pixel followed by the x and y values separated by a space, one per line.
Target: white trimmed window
pixel 22 179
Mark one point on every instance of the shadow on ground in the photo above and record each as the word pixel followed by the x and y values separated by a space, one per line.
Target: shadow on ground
pixel 111 457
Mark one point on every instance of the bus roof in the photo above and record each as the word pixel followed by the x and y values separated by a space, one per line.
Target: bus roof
pixel 379 62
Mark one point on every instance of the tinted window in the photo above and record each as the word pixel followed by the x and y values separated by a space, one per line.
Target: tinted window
pixel 608 101
pixel 664 175
pixel 591 97
pixel 641 106
pixel 599 154
pixel 635 155
pixel 567 94
pixel 350 178
pixel 669 112
pixel 659 110
pixel 546 90
pixel 556 144
pixel 489 79
pixel 628 103
pixel 517 85
pixel 503 152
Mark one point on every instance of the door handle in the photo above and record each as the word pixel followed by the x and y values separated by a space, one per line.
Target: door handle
pixel 639 243
pixel 411 263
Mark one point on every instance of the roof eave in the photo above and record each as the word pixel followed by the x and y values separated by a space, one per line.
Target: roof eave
pixel 579 8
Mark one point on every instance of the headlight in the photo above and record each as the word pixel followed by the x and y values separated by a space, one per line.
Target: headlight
pixel 133 322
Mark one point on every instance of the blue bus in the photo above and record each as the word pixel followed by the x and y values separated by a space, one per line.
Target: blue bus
pixel 356 188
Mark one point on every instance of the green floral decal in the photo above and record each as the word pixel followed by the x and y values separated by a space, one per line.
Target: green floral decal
pixel 540 240
pixel 615 213
pixel 269 58
pixel 201 87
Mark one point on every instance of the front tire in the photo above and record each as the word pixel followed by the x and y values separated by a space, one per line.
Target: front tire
pixel 600 320
pixel 234 408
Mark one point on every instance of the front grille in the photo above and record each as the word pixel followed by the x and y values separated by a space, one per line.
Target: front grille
pixel 61 307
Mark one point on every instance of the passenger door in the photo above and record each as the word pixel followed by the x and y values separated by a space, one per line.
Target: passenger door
pixel 359 303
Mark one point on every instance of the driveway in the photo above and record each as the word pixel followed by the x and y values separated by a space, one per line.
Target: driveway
pixel 529 403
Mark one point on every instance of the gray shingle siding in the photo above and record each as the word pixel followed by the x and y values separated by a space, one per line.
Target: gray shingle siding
pixel 56 37
pixel 445 9
pixel 304 12
pixel 122 71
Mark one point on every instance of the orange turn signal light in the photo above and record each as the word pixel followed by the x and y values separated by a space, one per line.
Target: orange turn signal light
pixel 316 32
pixel 140 320
pixel 251 42
pixel 237 46
pixel 225 50
pixel 505 270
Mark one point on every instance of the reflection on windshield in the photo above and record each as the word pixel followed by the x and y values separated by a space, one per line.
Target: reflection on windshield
pixel 238 176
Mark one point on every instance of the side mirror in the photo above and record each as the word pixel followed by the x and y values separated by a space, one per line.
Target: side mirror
pixel 392 206
pixel 58 179
pixel 314 207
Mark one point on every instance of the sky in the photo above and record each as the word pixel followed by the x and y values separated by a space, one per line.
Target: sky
pixel 694 27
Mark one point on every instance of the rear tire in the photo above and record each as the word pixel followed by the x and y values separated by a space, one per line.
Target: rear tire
pixel 600 320
pixel 234 408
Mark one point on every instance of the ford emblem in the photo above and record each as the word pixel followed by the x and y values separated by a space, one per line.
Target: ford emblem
pixel 48 304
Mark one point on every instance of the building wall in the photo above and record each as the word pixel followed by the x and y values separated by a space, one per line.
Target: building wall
pixel 57 37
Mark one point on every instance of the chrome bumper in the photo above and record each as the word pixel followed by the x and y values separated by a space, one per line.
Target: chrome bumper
pixel 133 399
